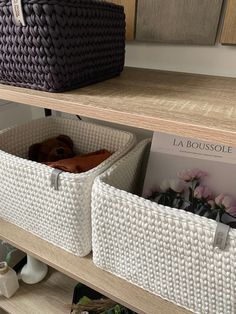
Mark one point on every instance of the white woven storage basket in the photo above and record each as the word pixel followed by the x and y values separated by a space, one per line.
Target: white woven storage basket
pixel 166 251
pixel 27 199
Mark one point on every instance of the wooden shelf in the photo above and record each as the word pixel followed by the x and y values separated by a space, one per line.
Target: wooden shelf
pixel 83 270
pixel 190 105
pixel 51 296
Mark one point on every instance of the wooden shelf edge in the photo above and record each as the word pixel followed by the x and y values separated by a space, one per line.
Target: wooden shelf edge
pixel 197 106
pixel 134 120
pixel 83 270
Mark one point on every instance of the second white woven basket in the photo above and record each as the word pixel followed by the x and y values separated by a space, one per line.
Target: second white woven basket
pixel 27 199
pixel 166 251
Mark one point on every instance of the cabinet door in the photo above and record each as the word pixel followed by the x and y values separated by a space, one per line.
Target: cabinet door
pixel 130 12
pixel 178 21
pixel 229 29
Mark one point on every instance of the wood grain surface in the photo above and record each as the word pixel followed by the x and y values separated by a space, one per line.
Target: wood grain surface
pixel 178 21
pixel 130 13
pixel 198 106
pixel 51 296
pixel 83 270
pixel 228 35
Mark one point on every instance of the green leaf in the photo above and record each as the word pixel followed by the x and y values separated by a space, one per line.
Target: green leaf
pixel 84 300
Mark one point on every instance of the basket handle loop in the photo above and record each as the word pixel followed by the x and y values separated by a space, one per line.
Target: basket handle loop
pixel 18 12
pixel 55 178
pixel 221 236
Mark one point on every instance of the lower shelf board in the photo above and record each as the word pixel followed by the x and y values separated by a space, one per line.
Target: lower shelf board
pixel 84 271
pixel 51 296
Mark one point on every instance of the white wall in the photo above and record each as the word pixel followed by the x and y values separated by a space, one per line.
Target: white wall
pixel 11 114
pixel 212 60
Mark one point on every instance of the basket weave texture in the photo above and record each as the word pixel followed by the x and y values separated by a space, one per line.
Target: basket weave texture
pixel 64 45
pixel 61 217
pixel 166 251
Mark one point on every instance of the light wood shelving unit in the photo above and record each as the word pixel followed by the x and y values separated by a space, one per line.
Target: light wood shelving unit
pixel 198 106
pixel 83 270
pixel 51 296
pixel 185 104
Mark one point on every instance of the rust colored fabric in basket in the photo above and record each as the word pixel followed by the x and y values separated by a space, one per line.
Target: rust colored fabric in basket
pixel 63 45
pixel 82 163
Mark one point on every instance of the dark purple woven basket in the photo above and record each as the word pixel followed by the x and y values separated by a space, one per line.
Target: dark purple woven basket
pixel 64 45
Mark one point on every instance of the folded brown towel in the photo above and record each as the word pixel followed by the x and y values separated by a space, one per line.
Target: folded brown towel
pixel 81 163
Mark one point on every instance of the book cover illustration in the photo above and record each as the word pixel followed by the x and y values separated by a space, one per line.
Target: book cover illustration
pixel 191 174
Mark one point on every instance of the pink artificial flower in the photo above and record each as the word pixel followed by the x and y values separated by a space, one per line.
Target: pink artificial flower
pixel 232 211
pixel 219 199
pixel 165 185
pixel 202 192
pixel 224 200
pixel 175 185
pixel 191 175
pixel 227 203
pixel 212 204
pixel 148 192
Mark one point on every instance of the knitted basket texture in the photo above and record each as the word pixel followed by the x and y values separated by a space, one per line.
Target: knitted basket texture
pixel 27 199
pixel 167 251
pixel 64 45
